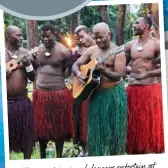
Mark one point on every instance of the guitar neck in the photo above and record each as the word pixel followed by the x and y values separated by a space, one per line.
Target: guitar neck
pixel 114 52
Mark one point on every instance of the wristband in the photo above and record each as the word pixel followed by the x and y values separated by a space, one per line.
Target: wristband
pixel 34 57
pixel 29 68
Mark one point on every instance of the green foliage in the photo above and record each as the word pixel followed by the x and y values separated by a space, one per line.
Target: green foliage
pixel 143 11
pixel 89 16
pixel 12 20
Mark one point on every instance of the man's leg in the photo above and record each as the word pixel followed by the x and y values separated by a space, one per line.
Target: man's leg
pixel 43 146
pixel 59 148
pixel 28 149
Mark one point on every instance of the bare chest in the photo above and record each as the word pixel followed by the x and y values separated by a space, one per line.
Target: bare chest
pixel 104 57
pixel 12 64
pixel 145 52
pixel 54 59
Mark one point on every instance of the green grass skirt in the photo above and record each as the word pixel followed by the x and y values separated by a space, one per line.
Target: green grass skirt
pixel 107 122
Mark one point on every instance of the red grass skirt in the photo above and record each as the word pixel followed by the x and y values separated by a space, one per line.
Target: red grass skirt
pixel 145 119
pixel 80 117
pixel 83 122
pixel 53 114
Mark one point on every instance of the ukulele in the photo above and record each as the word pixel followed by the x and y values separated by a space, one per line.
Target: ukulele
pixel 15 61
pixel 92 80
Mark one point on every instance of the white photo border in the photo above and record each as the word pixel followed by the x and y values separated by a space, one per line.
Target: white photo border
pixel 106 161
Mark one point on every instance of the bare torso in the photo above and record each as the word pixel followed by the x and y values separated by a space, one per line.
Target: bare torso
pixel 17 82
pixel 143 62
pixel 51 74
pixel 109 63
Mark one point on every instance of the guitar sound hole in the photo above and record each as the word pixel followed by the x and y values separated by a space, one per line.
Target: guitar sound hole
pixel 11 65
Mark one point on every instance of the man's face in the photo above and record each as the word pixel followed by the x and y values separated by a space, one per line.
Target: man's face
pixel 16 38
pixel 139 27
pixel 48 38
pixel 102 39
pixel 84 38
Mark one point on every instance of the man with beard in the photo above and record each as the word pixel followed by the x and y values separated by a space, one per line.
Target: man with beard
pixel 145 115
pixel 20 109
pixel 106 118
pixel 52 100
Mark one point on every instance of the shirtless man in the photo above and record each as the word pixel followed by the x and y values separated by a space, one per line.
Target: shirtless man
pixel 106 120
pixel 84 41
pixel 145 117
pixel 20 109
pixel 52 100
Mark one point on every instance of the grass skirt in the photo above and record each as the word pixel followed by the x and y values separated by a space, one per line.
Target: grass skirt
pixel 53 114
pixel 80 116
pixel 107 122
pixel 145 119
pixel 21 124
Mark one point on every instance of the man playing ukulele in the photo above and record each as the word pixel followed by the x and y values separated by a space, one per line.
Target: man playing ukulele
pixel 20 109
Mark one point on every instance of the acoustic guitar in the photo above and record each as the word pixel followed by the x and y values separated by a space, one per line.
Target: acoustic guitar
pixel 14 63
pixel 92 80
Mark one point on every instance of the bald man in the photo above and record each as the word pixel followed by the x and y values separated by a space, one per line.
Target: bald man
pixel 20 110
pixel 106 122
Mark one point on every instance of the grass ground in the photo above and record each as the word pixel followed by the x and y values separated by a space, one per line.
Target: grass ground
pixel 36 152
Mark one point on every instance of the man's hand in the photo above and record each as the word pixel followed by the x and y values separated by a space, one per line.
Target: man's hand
pixel 100 67
pixel 25 61
pixel 81 78
pixel 158 66
pixel 34 51
pixel 141 76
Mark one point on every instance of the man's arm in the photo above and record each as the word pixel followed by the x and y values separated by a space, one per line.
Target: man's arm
pixel 30 72
pixel 156 72
pixel 33 58
pixel 67 61
pixel 29 69
pixel 128 52
pixel 8 72
pixel 84 59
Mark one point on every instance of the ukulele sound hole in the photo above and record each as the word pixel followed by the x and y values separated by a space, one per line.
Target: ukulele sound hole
pixel 11 65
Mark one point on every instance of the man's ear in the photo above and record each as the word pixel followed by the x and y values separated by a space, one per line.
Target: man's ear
pixel 147 26
pixel 90 33
pixel 110 35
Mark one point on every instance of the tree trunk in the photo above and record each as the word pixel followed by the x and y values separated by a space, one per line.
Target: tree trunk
pixel 104 14
pixel 32 34
pixel 75 21
pixel 154 8
pixel 120 25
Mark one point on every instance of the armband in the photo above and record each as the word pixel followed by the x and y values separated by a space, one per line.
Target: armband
pixel 29 68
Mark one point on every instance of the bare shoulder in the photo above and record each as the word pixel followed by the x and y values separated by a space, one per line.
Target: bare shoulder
pixel 92 49
pixel 155 40
pixel 63 49
pixel 23 50
pixel 114 45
